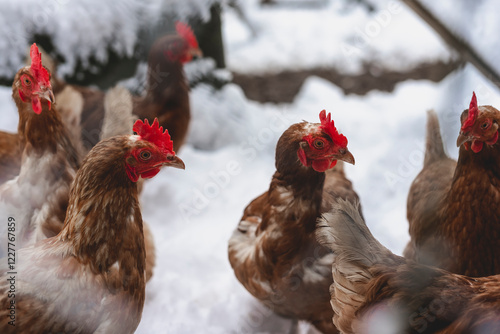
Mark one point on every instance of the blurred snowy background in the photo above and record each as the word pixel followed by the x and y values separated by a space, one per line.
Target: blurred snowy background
pixel 230 151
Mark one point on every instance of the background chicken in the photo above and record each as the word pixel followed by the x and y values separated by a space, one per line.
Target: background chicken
pixel 32 91
pixel 453 206
pixel 90 277
pixel 273 251
pixel 38 196
pixel 167 93
pixel 12 144
pixel 375 291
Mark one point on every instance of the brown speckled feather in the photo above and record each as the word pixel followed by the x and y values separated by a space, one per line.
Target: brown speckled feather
pixel 375 291
pixel 453 207
pixel 435 301
pixel 337 185
pixel 274 253
pixel 91 277
pixel 121 126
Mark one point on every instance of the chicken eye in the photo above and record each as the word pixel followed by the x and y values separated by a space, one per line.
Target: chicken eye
pixel 27 81
pixel 319 144
pixel 485 125
pixel 145 155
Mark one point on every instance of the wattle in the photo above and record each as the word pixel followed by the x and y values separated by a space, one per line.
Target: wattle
pixel 493 140
pixel 150 173
pixel 37 105
pixel 476 146
pixel 321 165
pixel 132 174
pixel 303 158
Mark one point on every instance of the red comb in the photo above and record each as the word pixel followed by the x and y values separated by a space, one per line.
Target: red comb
pixel 154 134
pixel 39 72
pixel 328 126
pixel 472 116
pixel 185 32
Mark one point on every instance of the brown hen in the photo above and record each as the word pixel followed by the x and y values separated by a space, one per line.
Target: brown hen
pixel 167 92
pixel 376 291
pixel 90 278
pixel 273 251
pixel 453 207
pixel 37 198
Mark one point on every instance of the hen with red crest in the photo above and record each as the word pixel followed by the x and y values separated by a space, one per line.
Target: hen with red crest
pixel 166 96
pixel 90 277
pixel 376 291
pixel 273 251
pixel 37 198
pixel 453 207
pixel 32 92
pixel 34 84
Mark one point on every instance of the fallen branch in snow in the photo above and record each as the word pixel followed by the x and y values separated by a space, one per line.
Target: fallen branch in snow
pixel 462 47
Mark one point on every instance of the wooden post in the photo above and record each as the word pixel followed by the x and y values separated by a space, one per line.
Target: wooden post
pixel 462 47
pixel 210 37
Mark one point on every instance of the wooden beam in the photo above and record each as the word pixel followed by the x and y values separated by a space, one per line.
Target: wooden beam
pixel 465 50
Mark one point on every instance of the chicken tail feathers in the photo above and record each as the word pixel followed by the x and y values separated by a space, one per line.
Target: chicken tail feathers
pixel 356 250
pixel 344 231
pixel 150 251
pixel 118 118
pixel 434 148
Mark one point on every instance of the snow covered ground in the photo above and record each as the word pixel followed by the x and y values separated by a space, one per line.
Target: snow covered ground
pixel 339 35
pixel 194 290
pixel 230 155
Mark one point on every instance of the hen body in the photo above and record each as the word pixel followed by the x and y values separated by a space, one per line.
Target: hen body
pixel 453 207
pixel 37 198
pixel 166 97
pixel 273 251
pixel 76 282
pixel 375 291
pixel 91 276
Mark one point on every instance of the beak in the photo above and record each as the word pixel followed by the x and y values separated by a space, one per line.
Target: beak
pixel 196 53
pixel 463 138
pixel 175 162
pixel 346 156
pixel 47 94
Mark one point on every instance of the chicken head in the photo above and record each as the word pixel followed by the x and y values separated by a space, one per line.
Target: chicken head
pixel 479 126
pixel 34 82
pixel 323 145
pixel 151 150
pixel 182 47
